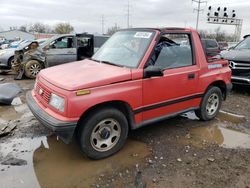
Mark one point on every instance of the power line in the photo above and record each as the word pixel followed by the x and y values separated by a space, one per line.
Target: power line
pixel 198 9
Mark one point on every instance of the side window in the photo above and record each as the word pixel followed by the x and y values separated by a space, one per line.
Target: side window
pixel 64 42
pixel 172 51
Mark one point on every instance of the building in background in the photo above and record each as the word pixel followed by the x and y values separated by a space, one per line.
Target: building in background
pixel 16 35
pixel 13 35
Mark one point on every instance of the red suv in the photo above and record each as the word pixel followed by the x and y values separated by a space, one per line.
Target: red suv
pixel 138 77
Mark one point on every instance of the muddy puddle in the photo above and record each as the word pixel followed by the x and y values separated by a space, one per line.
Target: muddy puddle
pixel 217 132
pixel 17 110
pixel 51 163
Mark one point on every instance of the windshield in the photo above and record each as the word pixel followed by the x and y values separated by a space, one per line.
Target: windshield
pixel 245 44
pixel 125 48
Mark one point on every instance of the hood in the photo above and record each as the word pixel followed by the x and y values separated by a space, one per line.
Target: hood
pixel 8 50
pixel 237 55
pixel 84 74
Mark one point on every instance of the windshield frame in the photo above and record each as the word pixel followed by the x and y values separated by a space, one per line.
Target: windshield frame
pixel 151 39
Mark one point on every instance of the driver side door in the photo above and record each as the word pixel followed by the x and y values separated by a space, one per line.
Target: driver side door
pixel 175 91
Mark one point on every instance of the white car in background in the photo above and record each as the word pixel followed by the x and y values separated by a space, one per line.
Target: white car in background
pixel 7 55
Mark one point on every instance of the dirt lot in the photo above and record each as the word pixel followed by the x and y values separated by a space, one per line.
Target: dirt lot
pixel 181 152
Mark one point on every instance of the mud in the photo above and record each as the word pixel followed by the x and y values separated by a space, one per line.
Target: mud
pixel 51 163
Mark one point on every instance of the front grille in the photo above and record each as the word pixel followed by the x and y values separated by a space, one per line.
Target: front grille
pixel 239 65
pixel 43 93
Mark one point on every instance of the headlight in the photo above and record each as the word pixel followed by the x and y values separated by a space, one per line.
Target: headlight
pixel 57 102
pixel 2 52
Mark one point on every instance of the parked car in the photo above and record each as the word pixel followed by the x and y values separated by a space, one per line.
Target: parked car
pixel 7 55
pixel 57 50
pixel 211 47
pixel 239 61
pixel 139 76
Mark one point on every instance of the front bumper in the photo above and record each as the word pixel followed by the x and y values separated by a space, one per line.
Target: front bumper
pixel 241 80
pixel 229 87
pixel 64 130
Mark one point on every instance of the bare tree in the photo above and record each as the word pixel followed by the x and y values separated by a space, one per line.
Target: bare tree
pixel 39 28
pixel 217 34
pixel 23 28
pixel 112 30
pixel 63 28
pixel 13 28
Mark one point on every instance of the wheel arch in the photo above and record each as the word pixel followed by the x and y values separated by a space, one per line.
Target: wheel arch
pixel 9 62
pixel 220 84
pixel 122 106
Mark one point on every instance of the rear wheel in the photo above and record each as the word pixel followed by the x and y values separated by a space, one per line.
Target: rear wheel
pixel 210 104
pixel 32 68
pixel 103 133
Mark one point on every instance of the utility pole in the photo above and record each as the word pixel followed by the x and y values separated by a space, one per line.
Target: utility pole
pixel 102 24
pixel 198 9
pixel 128 14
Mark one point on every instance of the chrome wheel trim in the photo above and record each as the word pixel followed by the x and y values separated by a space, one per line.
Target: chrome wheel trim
pixel 34 69
pixel 105 135
pixel 212 104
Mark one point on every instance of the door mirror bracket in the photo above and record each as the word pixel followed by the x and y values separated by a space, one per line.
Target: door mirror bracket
pixel 152 71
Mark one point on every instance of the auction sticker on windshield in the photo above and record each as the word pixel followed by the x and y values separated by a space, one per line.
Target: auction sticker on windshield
pixel 145 35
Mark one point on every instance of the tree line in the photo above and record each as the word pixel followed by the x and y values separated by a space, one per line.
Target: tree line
pixel 59 28
pixel 217 34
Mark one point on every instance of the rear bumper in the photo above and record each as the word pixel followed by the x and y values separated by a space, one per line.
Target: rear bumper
pixel 64 130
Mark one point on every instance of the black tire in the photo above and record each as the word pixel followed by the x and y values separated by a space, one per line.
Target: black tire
pixel 32 68
pixel 202 113
pixel 90 133
pixel 10 61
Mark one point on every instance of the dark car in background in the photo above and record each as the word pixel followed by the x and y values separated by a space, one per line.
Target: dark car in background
pixel 239 61
pixel 211 47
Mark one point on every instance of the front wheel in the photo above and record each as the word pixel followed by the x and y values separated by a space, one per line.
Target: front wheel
pixel 103 133
pixel 210 104
pixel 32 68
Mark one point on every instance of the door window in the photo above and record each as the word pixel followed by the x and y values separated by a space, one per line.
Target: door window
pixel 172 51
pixel 64 42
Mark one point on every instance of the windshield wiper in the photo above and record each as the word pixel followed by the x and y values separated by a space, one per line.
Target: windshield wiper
pixel 110 63
pixel 106 62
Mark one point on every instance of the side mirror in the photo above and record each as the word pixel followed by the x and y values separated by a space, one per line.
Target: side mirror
pixel 152 71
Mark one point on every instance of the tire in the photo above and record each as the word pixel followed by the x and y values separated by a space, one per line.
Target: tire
pixel 32 68
pixel 10 61
pixel 103 133
pixel 210 104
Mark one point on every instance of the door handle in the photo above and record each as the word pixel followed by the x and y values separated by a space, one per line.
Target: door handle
pixel 191 76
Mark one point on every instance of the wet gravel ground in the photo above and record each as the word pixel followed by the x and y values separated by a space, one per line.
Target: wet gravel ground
pixel 177 158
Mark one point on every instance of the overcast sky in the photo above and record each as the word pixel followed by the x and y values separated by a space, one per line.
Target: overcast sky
pixel 85 15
